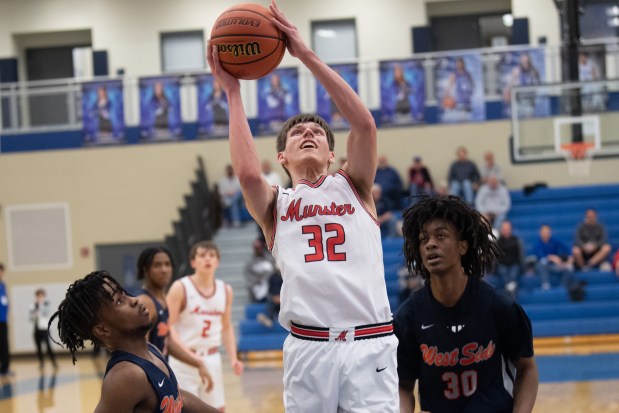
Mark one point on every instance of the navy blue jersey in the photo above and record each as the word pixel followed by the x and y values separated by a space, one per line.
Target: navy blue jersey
pixel 164 385
pixel 158 335
pixel 463 356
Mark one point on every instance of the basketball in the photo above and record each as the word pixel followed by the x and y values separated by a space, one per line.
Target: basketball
pixel 449 102
pixel 249 45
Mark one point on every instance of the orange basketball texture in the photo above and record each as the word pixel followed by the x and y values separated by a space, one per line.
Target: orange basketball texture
pixel 249 45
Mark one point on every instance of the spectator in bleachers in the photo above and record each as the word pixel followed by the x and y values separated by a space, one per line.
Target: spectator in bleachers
pixel 616 263
pixel 419 179
pixel 463 176
pixel 273 300
pixel 591 247
pixel 493 201
pixel 258 270
pixel 510 264
pixel 490 168
pixel 231 196
pixel 384 215
pixel 270 175
pixel 553 257
pixel 389 180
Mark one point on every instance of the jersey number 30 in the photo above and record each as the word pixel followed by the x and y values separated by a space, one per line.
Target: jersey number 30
pixel 334 236
pixel 463 384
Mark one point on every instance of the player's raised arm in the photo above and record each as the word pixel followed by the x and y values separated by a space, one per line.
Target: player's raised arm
pixel 361 145
pixel 258 194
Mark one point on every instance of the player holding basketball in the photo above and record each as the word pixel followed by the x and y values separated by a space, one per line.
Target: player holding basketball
pixel 137 377
pixel 155 268
pixel 469 345
pixel 200 308
pixel 341 353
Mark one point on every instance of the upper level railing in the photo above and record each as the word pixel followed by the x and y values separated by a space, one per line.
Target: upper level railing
pixel 53 105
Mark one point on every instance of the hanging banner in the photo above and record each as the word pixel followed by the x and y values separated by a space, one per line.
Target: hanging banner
pixel 402 92
pixel 212 108
pixel 278 99
pixel 103 115
pixel 160 109
pixel 523 68
pixel 459 86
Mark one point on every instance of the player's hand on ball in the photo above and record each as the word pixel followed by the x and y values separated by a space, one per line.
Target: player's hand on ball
pixel 227 81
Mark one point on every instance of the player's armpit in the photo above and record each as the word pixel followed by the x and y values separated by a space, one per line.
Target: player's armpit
pixel 192 404
pixel 124 387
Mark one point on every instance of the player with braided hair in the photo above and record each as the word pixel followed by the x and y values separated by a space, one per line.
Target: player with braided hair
pixel 137 377
pixel 469 345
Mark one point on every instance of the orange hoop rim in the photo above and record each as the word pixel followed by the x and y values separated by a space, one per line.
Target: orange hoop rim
pixel 577 150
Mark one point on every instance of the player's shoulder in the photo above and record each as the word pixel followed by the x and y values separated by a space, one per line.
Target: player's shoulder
pixel 415 302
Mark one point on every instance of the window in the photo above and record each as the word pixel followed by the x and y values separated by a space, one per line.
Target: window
pixel 182 51
pixel 335 40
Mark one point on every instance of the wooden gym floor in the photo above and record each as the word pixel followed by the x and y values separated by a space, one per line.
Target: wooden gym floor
pixel 76 389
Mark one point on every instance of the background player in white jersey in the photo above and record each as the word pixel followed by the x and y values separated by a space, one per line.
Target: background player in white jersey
pixel 200 307
pixel 340 355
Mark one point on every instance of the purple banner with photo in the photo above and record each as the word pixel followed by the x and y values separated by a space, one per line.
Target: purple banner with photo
pixel 103 113
pixel 212 108
pixel 278 99
pixel 591 68
pixel 522 68
pixel 402 92
pixel 160 109
pixel 325 107
pixel 460 88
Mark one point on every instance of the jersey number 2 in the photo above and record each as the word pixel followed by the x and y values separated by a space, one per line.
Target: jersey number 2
pixel 334 240
pixel 206 328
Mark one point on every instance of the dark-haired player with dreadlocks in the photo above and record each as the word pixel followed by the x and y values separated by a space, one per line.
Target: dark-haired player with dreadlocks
pixel 137 378
pixel 468 344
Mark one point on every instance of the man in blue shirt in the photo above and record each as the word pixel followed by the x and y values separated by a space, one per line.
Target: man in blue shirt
pixel 4 330
pixel 553 257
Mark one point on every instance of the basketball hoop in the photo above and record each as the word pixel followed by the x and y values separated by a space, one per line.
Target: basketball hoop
pixel 578 156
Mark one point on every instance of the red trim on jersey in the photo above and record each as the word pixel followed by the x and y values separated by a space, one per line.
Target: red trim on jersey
pixel 312 184
pixel 373 330
pixel 271 242
pixel 354 190
pixel 200 292
pixel 361 332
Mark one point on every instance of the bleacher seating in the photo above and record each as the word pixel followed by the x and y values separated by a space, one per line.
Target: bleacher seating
pixel 551 312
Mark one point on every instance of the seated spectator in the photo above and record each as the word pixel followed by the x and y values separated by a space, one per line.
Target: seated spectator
pixel 258 270
pixel 615 263
pixel 273 300
pixel 231 196
pixel 510 264
pixel 490 168
pixel 389 180
pixel 591 247
pixel 419 179
pixel 384 214
pixel 493 201
pixel 463 176
pixel 553 257
pixel 272 177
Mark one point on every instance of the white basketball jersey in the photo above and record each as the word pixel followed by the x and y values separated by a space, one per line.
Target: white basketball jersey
pixel 329 250
pixel 199 325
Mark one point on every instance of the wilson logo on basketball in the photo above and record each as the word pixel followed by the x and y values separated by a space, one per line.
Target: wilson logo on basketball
pixel 237 21
pixel 241 49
